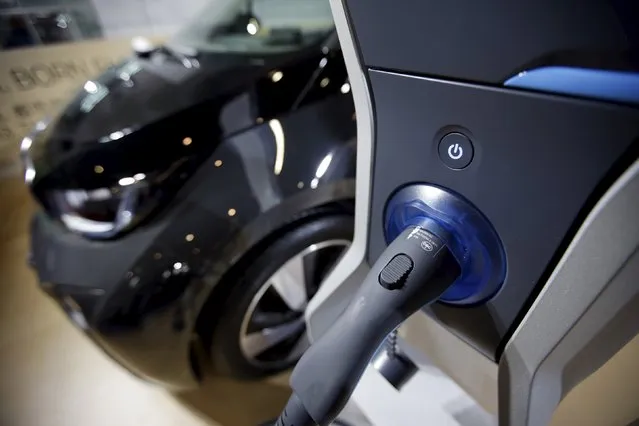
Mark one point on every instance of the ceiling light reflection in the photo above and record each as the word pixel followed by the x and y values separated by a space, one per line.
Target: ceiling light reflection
pixel 323 166
pixel 280 144
pixel 116 135
pixel 253 26
pixel 277 76
pixel 41 125
pixel 91 87
pixel 29 175
pixel 26 143
pixel 126 181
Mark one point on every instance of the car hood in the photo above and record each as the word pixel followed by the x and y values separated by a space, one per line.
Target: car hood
pixel 140 100
pixel 140 91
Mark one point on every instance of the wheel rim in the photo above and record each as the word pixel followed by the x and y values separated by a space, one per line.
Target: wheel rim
pixel 273 331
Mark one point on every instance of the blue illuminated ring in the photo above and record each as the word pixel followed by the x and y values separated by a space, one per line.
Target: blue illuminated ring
pixel 474 241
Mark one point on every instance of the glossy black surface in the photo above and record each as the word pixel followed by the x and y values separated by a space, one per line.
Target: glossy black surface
pixel 160 102
pixel 240 154
pixel 489 41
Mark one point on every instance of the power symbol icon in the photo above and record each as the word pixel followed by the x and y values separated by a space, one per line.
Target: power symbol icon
pixel 455 152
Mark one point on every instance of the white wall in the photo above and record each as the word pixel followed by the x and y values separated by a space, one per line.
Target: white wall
pixel 126 18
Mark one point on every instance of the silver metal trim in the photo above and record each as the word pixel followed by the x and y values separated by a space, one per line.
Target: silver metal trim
pixel 583 316
pixel 25 147
pixel 341 283
pixel 253 344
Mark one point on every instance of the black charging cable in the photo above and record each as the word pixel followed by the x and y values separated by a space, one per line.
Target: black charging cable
pixel 415 269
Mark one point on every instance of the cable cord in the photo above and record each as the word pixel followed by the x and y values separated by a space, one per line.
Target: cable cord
pixel 294 414
pixel 404 278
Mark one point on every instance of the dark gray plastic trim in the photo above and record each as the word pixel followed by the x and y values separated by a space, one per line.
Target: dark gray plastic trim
pixel 583 316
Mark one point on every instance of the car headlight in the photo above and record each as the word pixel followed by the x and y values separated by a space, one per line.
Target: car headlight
pixel 103 212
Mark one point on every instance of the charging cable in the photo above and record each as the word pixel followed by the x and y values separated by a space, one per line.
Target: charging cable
pixel 415 269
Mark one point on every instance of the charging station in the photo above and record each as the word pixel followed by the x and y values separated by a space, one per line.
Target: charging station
pixel 515 128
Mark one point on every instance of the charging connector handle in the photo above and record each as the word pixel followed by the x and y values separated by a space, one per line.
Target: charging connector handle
pixel 415 269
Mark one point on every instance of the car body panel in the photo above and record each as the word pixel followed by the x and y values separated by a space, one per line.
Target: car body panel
pixel 117 124
pixel 250 168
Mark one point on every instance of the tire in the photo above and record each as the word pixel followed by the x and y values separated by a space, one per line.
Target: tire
pixel 260 306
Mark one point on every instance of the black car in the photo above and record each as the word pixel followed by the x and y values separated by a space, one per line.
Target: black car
pixel 194 196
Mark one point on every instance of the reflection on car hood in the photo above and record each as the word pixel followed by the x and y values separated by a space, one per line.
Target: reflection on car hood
pixel 140 91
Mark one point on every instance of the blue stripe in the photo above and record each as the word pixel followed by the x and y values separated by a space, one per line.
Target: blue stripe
pixel 606 85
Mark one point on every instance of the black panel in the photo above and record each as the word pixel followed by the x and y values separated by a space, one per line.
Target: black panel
pixel 491 40
pixel 537 160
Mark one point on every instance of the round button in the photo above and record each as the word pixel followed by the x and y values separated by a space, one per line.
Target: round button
pixel 456 151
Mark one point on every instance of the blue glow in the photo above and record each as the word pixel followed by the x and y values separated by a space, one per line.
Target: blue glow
pixel 617 86
pixel 474 243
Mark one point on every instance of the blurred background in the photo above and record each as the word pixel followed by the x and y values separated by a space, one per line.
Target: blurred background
pixel 50 373
pixel 49 47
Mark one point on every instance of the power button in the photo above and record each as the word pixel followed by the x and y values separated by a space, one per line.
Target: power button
pixel 456 151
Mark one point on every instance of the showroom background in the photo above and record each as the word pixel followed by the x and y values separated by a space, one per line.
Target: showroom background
pixel 51 373
pixel 62 43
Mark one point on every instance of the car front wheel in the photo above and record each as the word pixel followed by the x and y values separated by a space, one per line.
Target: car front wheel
pixel 261 329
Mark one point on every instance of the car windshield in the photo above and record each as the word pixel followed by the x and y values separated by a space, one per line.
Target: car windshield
pixel 256 26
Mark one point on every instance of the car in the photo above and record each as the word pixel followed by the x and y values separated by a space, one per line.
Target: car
pixel 194 196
